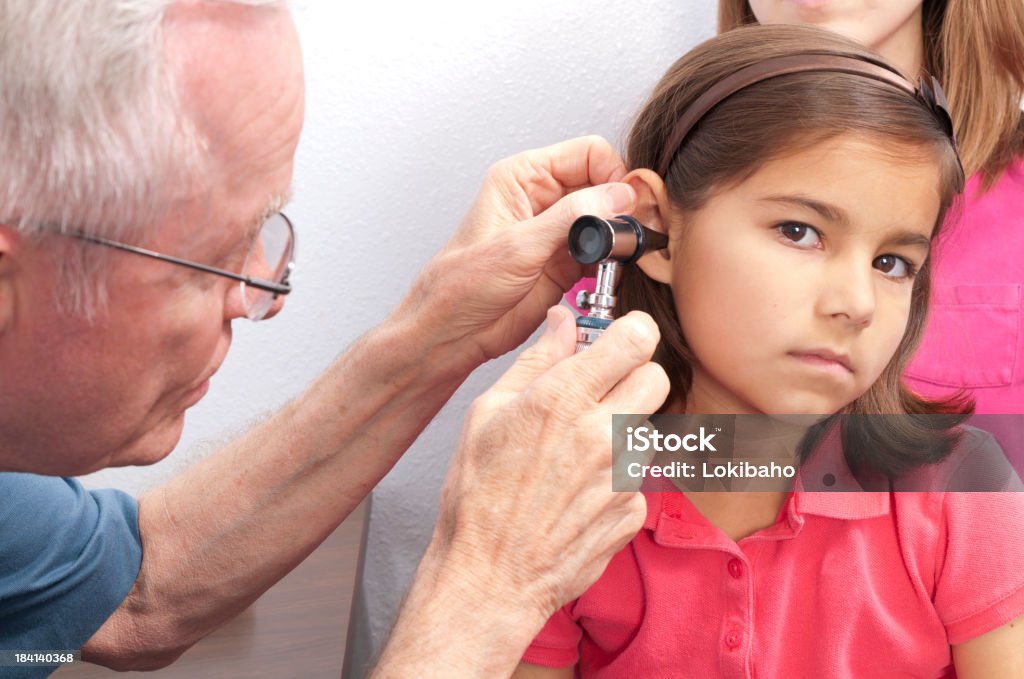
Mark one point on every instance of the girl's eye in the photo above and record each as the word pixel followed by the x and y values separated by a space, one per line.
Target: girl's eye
pixel 894 267
pixel 800 234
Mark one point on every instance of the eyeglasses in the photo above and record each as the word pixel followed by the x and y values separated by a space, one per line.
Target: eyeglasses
pixel 265 272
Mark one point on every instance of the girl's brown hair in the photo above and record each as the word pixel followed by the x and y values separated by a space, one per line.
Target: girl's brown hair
pixel 976 50
pixel 777 116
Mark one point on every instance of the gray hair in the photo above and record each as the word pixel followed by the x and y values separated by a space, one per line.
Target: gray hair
pixel 92 132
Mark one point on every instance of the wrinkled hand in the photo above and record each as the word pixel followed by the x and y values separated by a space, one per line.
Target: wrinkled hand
pixel 489 287
pixel 527 509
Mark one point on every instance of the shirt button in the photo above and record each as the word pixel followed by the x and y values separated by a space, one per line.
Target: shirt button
pixel 735 568
pixel 732 639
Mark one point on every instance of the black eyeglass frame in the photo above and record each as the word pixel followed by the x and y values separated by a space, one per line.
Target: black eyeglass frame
pixel 282 288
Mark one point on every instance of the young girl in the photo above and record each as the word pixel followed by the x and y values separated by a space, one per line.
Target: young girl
pixel 800 204
pixel 976 49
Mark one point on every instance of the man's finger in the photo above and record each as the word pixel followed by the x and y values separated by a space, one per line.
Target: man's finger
pixel 562 168
pixel 627 344
pixel 547 233
pixel 642 391
pixel 624 476
pixel 556 343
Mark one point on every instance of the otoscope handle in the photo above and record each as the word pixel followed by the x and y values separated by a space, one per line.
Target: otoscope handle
pixel 588 329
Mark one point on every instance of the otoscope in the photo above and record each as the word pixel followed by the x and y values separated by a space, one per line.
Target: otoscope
pixel 607 243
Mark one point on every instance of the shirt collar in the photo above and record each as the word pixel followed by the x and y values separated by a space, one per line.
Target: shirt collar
pixel 824 486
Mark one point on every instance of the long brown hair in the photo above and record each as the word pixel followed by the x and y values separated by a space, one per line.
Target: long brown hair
pixel 758 123
pixel 976 50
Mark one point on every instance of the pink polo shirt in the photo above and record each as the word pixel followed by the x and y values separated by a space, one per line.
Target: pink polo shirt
pixel 843 585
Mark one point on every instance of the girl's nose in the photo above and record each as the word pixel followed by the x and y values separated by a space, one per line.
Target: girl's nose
pixel 849 294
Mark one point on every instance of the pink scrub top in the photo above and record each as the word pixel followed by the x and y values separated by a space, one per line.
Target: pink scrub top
pixel 975 334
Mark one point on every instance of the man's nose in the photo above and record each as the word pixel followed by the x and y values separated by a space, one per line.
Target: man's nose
pixel 235 305
pixel 234 302
pixel 276 307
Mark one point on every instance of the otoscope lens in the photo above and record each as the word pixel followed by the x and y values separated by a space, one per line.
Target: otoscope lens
pixel 590 239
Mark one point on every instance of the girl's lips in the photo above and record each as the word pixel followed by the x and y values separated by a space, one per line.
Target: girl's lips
pixel 809 4
pixel 826 360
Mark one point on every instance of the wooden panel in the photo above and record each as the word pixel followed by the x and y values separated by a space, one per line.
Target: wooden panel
pixel 296 629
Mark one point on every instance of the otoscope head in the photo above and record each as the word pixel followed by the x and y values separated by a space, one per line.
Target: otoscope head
pixel 609 243
pixel 622 238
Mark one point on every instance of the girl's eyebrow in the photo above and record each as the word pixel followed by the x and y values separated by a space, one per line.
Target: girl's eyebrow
pixel 838 216
pixel 910 238
pixel 829 212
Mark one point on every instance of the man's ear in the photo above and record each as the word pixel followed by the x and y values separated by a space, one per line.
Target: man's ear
pixel 652 209
pixel 9 238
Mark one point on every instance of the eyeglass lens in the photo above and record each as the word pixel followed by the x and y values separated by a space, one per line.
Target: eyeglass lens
pixel 268 260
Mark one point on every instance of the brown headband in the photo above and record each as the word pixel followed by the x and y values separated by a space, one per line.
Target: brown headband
pixel 928 92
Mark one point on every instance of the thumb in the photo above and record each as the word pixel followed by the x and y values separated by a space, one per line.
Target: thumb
pixel 550 229
pixel 557 342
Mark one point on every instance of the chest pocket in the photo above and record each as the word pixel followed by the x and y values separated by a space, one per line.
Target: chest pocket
pixel 972 336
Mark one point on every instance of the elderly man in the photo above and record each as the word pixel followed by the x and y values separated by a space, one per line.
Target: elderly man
pixel 147 150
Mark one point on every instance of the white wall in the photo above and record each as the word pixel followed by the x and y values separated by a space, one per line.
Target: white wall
pixel 407 105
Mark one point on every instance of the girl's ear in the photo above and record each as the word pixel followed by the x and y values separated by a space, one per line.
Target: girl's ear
pixel 652 209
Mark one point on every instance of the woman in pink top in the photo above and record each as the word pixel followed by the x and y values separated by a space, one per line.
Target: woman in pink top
pixel 975 335
pixel 800 194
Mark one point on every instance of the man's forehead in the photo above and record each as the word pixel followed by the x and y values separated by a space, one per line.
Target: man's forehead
pixel 240 82
pixel 223 232
pixel 239 71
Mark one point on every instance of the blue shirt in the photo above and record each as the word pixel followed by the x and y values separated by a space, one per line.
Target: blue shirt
pixel 68 558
